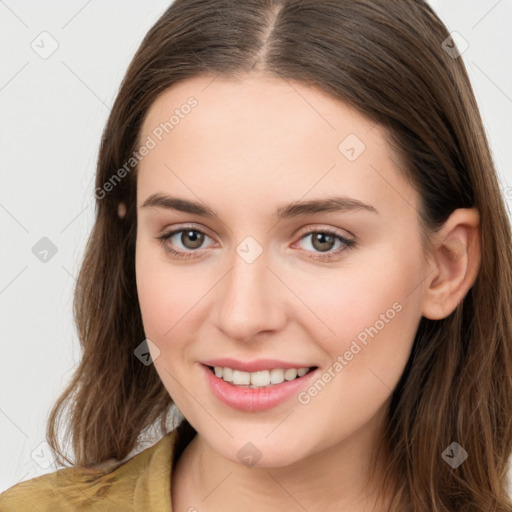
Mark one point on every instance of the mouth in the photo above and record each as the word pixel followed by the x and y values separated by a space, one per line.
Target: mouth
pixel 259 379
pixel 259 390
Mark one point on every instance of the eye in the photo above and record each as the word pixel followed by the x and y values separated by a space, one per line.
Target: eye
pixel 323 242
pixel 190 239
pixel 186 242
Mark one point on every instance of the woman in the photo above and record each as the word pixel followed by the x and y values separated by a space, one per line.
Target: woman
pixel 301 244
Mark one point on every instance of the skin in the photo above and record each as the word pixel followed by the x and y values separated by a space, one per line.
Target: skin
pixel 251 145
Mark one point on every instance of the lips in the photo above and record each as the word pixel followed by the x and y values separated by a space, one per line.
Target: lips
pixel 255 398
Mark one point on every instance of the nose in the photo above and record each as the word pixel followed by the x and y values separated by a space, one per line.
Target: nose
pixel 249 301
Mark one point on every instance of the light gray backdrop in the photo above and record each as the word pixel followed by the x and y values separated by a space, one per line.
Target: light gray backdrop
pixel 61 65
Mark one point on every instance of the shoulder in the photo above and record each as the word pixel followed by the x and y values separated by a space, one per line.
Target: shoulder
pixel 140 483
pixel 55 491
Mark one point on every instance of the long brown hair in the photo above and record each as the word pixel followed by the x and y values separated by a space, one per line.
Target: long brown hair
pixel 387 59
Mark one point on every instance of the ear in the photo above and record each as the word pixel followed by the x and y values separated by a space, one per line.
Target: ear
pixel 121 210
pixel 455 262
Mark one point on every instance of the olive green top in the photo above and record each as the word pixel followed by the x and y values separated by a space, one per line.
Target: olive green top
pixel 142 483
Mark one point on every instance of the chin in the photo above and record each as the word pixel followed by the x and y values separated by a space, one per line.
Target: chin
pixel 256 451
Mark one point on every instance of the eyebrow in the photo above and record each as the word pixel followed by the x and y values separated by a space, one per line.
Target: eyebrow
pixel 294 209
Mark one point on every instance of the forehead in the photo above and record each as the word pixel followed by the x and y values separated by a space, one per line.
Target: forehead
pixel 261 136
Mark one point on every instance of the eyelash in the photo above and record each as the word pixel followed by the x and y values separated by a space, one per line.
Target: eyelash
pixel 327 256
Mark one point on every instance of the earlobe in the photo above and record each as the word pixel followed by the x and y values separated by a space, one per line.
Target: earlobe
pixel 455 260
pixel 121 210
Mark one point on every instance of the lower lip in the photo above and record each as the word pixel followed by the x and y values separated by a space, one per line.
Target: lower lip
pixel 254 399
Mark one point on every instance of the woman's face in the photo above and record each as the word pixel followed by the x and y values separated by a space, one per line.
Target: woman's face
pixel 262 176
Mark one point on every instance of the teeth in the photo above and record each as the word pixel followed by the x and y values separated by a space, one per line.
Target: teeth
pixel 241 378
pixel 225 373
pixel 258 379
pixel 290 373
pixel 276 376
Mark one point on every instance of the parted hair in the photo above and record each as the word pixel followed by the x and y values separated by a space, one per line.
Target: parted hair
pixel 388 59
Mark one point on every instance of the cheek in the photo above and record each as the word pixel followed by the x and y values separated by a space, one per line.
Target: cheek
pixel 374 318
pixel 372 312
pixel 161 294
pixel 171 298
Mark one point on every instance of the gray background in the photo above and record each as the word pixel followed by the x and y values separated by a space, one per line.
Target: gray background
pixel 52 113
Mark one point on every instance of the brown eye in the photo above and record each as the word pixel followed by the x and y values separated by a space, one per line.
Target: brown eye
pixel 184 243
pixel 326 244
pixel 323 241
pixel 192 239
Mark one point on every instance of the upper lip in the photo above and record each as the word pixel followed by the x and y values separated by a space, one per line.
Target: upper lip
pixel 254 366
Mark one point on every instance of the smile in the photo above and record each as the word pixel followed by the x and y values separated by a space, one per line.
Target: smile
pixel 253 391
pixel 258 379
